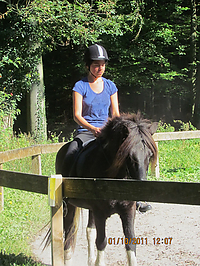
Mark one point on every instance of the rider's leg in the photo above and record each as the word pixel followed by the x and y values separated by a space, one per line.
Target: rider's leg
pixel 74 146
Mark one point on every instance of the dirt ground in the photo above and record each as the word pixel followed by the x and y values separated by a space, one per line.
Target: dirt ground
pixel 179 222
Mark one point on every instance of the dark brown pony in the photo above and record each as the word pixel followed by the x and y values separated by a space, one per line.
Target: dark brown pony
pixel 123 150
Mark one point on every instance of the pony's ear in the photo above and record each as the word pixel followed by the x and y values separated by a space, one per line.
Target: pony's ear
pixel 153 127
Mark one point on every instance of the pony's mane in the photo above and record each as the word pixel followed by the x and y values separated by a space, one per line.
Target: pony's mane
pixel 132 128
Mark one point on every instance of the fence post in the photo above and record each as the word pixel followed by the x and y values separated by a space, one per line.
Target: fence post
pixel 55 201
pixel 157 170
pixel 36 164
pixel 1 194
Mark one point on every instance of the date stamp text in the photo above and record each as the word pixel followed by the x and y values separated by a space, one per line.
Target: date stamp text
pixel 140 241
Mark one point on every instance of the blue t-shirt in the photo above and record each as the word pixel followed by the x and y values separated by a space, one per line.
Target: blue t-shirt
pixel 95 108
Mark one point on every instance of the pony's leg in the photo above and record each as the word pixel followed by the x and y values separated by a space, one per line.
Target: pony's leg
pixel 101 239
pixel 127 216
pixel 91 236
pixel 70 230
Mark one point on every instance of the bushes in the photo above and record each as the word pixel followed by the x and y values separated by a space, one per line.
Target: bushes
pixel 8 110
pixel 8 113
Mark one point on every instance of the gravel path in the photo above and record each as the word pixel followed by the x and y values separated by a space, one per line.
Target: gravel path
pixel 179 222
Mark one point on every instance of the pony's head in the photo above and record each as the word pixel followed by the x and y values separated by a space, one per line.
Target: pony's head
pixel 128 140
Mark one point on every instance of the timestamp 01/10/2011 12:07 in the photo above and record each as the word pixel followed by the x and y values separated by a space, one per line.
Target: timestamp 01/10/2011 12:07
pixel 140 240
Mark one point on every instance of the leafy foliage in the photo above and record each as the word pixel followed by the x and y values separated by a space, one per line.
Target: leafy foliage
pixel 8 109
pixel 29 29
pixel 18 58
pixel 159 53
pixel 148 42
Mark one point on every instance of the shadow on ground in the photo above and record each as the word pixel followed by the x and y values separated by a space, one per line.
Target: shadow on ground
pixel 17 260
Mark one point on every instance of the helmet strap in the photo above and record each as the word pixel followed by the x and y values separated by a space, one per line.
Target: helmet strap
pixel 92 73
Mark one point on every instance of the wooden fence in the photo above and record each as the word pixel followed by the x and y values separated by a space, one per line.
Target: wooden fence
pixel 36 151
pixel 153 191
pixel 99 188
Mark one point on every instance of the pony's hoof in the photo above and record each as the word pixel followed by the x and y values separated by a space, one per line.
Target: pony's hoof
pixel 101 264
pixel 91 262
pixel 131 258
pixel 100 258
pixel 68 263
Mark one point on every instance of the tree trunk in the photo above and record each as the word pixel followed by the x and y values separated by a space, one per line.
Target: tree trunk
pixel 193 49
pixel 36 113
pixel 196 120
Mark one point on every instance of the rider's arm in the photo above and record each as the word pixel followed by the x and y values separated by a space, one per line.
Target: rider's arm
pixel 114 106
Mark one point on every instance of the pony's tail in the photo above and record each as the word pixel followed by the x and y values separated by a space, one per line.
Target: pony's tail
pixel 47 239
pixel 70 235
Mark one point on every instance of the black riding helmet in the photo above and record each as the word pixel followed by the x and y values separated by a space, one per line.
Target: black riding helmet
pixel 95 52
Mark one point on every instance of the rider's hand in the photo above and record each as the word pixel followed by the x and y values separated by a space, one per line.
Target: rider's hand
pixel 96 131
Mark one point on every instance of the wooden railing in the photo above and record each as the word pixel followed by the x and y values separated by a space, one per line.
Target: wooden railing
pixel 32 151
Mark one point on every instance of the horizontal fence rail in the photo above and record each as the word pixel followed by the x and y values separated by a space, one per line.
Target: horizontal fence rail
pixel 35 150
pixel 106 189
pixel 132 190
pixel 50 148
pixel 161 136
pixel 24 181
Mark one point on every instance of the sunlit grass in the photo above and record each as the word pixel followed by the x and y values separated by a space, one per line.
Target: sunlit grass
pixel 180 160
pixel 25 213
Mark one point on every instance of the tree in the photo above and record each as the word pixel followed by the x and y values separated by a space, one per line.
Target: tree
pixel 19 62
pixel 195 68
pixel 38 26
pixel 150 44
pixel 156 68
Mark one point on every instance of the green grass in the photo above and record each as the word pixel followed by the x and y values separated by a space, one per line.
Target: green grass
pixel 25 213
pixel 180 160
